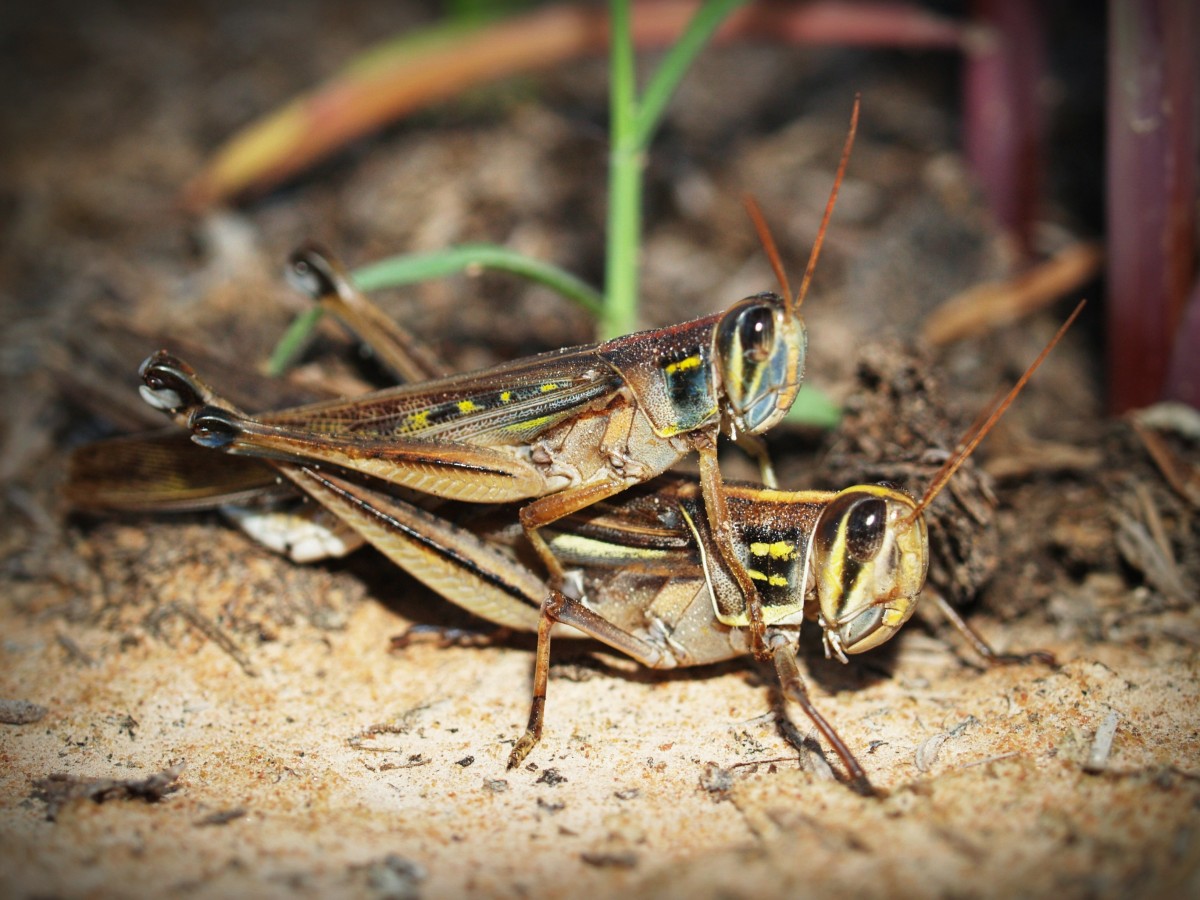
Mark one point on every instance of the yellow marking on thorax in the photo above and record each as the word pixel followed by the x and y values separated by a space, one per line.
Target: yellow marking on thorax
pixel 768 495
pixel 683 365
pixel 778 550
pixel 672 430
pixel 772 580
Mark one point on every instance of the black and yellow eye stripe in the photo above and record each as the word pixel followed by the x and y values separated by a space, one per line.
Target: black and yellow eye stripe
pixel 856 580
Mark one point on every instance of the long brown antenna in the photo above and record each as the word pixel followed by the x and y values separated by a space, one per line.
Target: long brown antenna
pixel 954 462
pixel 768 242
pixel 837 183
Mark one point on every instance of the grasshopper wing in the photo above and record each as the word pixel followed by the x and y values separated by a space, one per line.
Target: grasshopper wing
pixel 507 404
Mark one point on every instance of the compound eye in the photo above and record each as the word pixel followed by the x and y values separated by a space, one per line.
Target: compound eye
pixel 747 335
pixel 866 524
pixel 756 333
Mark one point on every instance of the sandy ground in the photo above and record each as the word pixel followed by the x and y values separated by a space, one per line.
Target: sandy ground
pixel 341 768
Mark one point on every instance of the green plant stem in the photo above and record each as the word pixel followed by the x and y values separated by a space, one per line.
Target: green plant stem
pixel 400 270
pixel 289 347
pixel 632 124
pixel 676 62
pixel 625 165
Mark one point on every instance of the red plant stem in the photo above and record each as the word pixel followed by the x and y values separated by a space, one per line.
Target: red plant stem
pixel 1152 148
pixel 1183 378
pixel 869 23
pixel 1002 118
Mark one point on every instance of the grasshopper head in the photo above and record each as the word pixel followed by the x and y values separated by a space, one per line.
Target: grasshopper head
pixel 759 346
pixel 871 553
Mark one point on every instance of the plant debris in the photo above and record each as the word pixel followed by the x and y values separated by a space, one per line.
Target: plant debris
pixel 58 790
pixel 1097 760
pixel 897 429
pixel 221 817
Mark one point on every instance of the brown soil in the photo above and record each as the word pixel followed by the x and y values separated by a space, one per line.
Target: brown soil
pixel 205 718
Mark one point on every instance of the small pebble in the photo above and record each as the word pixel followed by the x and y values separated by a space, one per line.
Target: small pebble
pixel 20 712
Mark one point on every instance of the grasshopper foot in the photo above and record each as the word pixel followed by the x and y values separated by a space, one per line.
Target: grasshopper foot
pixel 1042 657
pixel 214 427
pixel 533 732
pixel 313 271
pixel 862 786
pixel 522 749
pixel 171 385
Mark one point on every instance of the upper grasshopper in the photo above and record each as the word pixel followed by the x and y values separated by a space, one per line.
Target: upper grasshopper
pixel 562 430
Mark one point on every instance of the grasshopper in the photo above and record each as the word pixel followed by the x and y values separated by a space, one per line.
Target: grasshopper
pixel 559 431
pixel 648 577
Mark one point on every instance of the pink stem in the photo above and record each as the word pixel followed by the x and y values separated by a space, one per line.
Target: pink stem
pixel 1002 117
pixel 1152 148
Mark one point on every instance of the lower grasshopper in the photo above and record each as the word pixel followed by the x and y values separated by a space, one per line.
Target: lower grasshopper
pixel 652 584
pixel 560 431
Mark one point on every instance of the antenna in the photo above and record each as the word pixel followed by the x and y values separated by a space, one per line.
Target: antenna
pixel 954 462
pixel 768 242
pixel 837 183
